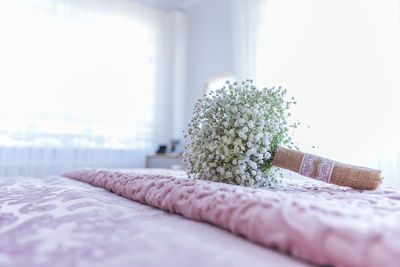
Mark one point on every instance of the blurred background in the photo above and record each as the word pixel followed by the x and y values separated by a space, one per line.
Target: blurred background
pixel 107 83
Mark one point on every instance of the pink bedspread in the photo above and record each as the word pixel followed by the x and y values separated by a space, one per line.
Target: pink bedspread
pixel 317 222
pixel 57 222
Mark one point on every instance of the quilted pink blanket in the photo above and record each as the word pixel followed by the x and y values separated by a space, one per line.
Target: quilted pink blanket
pixel 320 223
pixel 59 222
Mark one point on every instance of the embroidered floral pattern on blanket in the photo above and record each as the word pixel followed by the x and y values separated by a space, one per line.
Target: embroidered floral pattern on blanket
pixel 321 223
pixel 61 222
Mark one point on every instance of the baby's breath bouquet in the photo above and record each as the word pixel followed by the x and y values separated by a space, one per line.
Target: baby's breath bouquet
pixel 237 136
pixel 235 132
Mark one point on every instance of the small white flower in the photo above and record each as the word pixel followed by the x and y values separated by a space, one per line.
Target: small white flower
pixel 250 124
pixel 251 137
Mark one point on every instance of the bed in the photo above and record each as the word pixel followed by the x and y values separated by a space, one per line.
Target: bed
pixel 141 217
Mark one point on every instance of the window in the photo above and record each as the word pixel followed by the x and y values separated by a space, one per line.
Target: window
pixel 81 75
pixel 340 59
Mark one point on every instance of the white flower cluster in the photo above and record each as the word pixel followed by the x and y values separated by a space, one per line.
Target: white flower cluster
pixel 235 132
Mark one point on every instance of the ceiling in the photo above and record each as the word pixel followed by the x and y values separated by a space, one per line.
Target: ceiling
pixel 168 5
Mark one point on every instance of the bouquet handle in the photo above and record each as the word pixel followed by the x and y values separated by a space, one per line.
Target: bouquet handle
pixel 327 170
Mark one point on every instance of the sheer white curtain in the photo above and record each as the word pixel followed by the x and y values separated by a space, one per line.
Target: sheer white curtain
pixel 246 19
pixel 340 59
pixel 81 84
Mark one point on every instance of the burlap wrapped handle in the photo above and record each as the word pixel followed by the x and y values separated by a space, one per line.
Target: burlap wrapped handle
pixel 327 170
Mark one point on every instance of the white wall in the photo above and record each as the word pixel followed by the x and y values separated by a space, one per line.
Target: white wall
pixel 201 48
pixel 209 47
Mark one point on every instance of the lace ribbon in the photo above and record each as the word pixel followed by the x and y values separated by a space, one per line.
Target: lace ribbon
pixel 324 167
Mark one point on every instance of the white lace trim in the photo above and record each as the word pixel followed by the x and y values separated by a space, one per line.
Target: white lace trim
pixel 325 167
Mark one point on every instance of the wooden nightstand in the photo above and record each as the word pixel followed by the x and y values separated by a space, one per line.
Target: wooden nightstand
pixel 165 161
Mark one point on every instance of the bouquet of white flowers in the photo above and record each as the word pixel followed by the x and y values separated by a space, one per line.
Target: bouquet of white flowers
pixel 237 134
